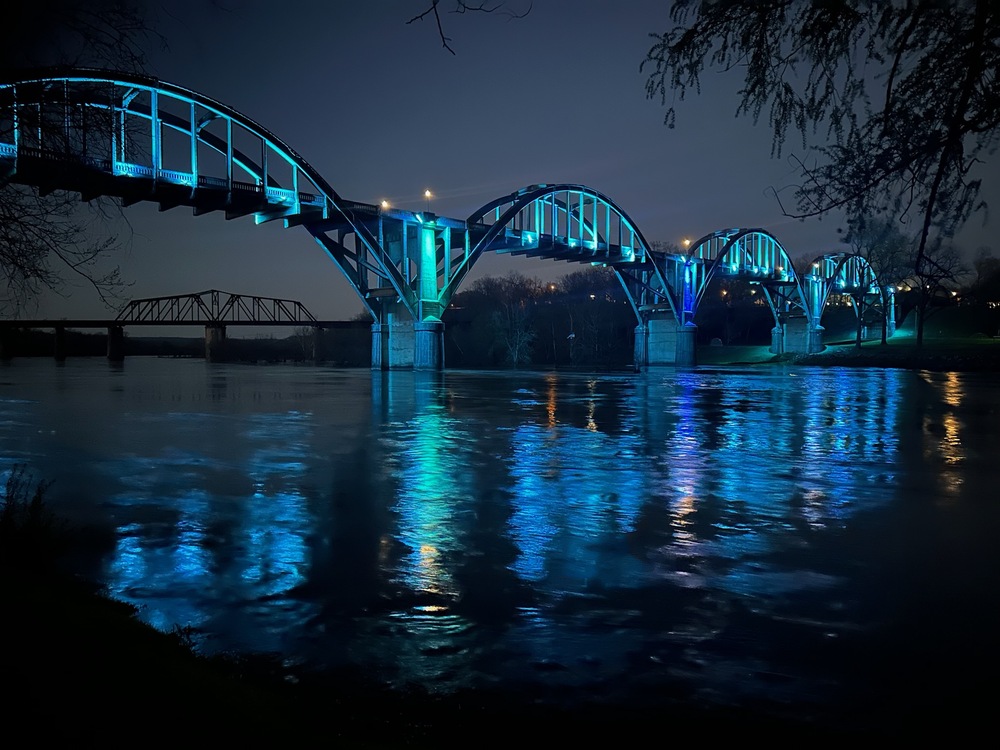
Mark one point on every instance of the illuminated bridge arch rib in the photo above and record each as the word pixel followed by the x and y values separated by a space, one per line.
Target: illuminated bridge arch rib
pixel 562 222
pixel 751 255
pixel 847 274
pixel 133 137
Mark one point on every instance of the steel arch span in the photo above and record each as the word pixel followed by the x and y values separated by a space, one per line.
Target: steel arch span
pixel 563 222
pixel 751 255
pixel 850 275
pixel 136 138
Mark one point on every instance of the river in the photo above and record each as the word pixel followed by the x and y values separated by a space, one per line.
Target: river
pixel 818 543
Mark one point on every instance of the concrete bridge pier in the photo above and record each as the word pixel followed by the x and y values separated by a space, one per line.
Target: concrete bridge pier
pixel 815 339
pixel 802 337
pixel 428 345
pixel 687 340
pixel 669 343
pixel 777 340
pixel 215 343
pixel 116 343
pixel 640 353
pixel 60 343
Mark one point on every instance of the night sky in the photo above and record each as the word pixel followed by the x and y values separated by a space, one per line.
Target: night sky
pixel 383 111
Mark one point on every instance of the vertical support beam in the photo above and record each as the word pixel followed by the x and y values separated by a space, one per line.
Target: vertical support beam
pixel 427 271
pixel 380 346
pixel 116 343
pixel 640 355
pixel 890 310
pixel 194 149
pixel 687 303
pixel 154 134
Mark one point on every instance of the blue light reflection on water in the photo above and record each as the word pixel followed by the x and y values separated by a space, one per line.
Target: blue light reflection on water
pixel 472 528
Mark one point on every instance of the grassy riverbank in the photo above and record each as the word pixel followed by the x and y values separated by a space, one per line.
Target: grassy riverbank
pixel 944 354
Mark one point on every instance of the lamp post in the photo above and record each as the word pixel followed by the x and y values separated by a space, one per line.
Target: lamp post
pixel 427 198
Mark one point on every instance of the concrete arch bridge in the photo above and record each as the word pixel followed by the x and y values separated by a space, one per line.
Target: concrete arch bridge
pixel 104 133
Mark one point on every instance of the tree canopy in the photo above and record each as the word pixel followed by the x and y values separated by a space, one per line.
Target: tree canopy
pixel 895 104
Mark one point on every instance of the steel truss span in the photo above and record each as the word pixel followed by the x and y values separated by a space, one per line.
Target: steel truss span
pixel 136 138
pixel 215 307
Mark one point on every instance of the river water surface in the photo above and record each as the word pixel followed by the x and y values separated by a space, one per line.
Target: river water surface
pixel 813 542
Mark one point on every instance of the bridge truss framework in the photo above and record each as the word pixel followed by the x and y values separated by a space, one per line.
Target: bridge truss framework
pixel 138 139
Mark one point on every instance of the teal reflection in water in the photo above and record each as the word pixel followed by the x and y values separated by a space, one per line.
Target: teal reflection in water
pixel 432 477
pixel 730 532
pixel 207 541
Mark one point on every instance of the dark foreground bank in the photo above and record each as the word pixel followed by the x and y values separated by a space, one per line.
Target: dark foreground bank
pixel 80 667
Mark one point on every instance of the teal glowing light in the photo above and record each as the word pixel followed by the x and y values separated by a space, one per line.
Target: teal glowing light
pixel 428 263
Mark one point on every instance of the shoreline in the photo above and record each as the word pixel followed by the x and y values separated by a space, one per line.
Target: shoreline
pixel 973 354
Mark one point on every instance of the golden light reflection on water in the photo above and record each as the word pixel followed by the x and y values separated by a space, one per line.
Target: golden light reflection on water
pixel 943 433
pixel 681 511
pixel 551 398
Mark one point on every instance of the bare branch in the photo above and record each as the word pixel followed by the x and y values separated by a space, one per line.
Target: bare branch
pixel 463 7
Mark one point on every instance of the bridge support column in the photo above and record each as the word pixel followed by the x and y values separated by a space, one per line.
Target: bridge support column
pixel 640 354
pixel 428 345
pixel 116 343
pixel 802 337
pixel 815 339
pixel 380 346
pixel 393 338
pixel 661 339
pixel 215 343
pixel 777 340
pixel 687 337
pixel 60 343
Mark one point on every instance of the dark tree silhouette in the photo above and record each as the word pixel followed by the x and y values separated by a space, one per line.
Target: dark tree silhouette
pixel 889 251
pixel 895 103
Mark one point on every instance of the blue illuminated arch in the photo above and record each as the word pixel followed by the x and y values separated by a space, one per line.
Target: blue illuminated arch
pixel 156 141
pixel 751 255
pixel 564 221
